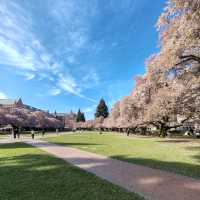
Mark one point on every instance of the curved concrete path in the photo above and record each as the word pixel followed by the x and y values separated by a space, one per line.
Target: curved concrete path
pixel 151 183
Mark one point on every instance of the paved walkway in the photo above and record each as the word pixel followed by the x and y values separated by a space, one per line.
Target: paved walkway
pixel 7 140
pixel 151 183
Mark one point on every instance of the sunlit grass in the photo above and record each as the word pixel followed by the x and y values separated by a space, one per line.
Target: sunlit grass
pixel 29 173
pixel 178 155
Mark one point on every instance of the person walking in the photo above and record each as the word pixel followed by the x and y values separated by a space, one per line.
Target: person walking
pixel 128 132
pixel 18 133
pixel 57 131
pixel 43 133
pixel 32 134
pixel 14 133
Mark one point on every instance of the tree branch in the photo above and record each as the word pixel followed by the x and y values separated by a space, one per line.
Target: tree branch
pixel 187 58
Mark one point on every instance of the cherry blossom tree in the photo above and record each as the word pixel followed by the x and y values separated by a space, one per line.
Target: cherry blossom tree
pixel 170 87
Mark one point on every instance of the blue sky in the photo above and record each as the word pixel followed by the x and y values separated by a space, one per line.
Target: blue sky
pixel 66 54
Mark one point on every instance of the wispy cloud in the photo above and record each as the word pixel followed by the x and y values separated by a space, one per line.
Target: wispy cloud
pixel 90 109
pixel 19 47
pixel 3 95
pixel 73 19
pixel 55 91
pixel 28 75
pixel 68 84
pixel 90 79
pixel 22 49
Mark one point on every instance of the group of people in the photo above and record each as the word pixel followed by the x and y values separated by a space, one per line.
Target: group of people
pixel 16 132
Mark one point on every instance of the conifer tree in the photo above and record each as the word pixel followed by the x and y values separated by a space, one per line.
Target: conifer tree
pixel 80 116
pixel 102 109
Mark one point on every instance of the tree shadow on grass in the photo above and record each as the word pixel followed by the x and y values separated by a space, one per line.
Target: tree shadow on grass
pixel 174 141
pixel 23 145
pixel 182 168
pixel 186 169
pixel 37 175
pixel 196 149
pixel 75 144
pixel 193 148
pixel 13 145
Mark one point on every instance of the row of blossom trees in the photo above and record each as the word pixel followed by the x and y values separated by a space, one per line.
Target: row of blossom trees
pixel 168 95
pixel 22 116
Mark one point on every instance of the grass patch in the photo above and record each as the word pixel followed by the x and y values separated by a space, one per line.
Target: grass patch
pixel 29 173
pixel 181 156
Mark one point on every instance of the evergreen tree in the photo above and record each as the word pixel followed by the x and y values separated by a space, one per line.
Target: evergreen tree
pixel 80 116
pixel 102 109
pixel 55 114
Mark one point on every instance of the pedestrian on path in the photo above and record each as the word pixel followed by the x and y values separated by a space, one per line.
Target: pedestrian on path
pixel 14 133
pixel 128 131
pixel 18 133
pixel 57 131
pixel 43 133
pixel 32 134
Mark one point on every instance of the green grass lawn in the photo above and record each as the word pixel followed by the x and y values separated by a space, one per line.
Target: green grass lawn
pixel 27 173
pixel 181 156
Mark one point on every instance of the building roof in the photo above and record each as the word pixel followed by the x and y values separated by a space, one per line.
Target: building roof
pixel 7 127
pixel 7 101
pixel 10 101
pixel 60 114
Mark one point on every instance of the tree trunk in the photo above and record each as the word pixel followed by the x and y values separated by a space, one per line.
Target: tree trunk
pixel 163 131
